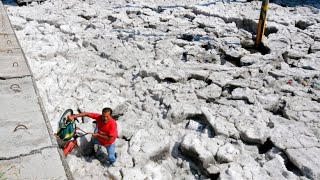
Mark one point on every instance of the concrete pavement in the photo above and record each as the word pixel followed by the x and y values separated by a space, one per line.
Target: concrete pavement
pixel 28 149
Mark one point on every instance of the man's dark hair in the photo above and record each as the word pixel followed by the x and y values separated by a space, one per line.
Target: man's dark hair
pixel 104 110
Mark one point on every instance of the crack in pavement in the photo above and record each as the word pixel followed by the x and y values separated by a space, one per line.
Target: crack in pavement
pixel 15 77
pixel 35 151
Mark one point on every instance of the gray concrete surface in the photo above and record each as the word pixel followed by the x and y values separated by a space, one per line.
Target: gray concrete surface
pixel 28 149
pixel 42 165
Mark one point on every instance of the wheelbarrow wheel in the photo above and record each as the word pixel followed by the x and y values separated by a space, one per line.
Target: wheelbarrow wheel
pixel 65 115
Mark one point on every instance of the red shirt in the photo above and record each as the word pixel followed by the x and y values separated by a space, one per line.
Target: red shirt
pixel 109 129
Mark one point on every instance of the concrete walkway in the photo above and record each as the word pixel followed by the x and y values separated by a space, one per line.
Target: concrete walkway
pixel 28 149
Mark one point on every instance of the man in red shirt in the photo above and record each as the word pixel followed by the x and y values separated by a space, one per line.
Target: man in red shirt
pixel 106 131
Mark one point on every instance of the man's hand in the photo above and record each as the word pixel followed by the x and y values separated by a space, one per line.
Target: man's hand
pixel 71 117
pixel 95 135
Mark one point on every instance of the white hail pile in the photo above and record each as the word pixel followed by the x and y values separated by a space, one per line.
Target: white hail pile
pixel 192 97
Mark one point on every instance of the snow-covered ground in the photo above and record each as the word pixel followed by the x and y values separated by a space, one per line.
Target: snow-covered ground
pixel 192 97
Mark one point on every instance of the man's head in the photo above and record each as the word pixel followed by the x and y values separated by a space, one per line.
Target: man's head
pixel 106 113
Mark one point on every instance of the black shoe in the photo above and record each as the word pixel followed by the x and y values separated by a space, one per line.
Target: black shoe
pixel 111 164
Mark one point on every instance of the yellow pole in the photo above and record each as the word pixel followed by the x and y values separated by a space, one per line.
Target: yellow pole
pixel 262 22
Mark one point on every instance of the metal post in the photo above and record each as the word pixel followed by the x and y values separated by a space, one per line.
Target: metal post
pixel 262 22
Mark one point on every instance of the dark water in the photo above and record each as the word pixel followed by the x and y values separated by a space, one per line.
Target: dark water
pixel 9 2
pixel 293 3
pixel 19 2
pixel 285 3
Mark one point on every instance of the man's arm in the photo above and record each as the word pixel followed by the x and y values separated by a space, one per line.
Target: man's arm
pixel 72 117
pixel 112 133
pixel 105 137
